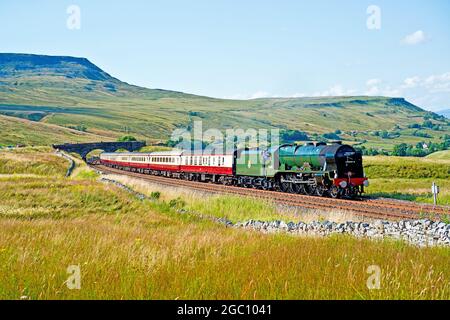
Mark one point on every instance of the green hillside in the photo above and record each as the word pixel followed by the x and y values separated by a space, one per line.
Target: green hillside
pixel 20 131
pixel 74 93
pixel 440 155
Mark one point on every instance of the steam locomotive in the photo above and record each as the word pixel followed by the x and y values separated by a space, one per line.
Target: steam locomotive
pixel 316 169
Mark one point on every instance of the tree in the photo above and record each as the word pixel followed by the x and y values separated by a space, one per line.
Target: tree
pixel 126 139
pixel 427 124
pixel 293 135
pixel 331 136
pixel 400 150
pixel 385 134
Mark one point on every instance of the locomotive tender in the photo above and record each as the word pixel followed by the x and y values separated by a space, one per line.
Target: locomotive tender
pixel 319 169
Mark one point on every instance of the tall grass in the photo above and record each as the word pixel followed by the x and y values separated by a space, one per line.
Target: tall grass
pixel 233 208
pixel 132 249
pixel 138 257
pixel 32 161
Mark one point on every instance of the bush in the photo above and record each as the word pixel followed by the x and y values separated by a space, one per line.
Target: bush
pixel 421 134
pixel 331 136
pixel 126 139
pixel 177 203
pixel 155 195
pixel 293 135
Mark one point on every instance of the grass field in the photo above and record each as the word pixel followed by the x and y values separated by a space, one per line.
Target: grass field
pixel 21 131
pixel 440 155
pixel 131 249
pixel 408 178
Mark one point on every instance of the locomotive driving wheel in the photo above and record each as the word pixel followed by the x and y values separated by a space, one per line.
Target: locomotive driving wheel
pixel 286 187
pixel 310 189
pixel 334 192
pixel 320 190
pixel 298 188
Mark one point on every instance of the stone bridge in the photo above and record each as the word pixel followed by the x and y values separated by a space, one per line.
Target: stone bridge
pixel 84 148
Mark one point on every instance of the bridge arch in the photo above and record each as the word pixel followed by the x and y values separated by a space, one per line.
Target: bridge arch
pixel 83 149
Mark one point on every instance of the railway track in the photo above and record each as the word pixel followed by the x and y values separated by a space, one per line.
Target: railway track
pixel 371 208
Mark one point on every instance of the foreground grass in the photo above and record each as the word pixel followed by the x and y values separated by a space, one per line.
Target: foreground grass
pixel 131 249
pixel 137 257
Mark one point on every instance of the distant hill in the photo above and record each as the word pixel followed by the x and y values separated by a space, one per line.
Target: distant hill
pixel 28 65
pixel 445 113
pixel 73 92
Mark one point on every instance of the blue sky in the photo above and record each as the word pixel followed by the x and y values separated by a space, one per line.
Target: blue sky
pixel 249 49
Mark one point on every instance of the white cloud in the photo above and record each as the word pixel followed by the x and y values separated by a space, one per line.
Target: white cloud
pixel 391 92
pixel 372 91
pixel 299 95
pixel 373 82
pixel 411 82
pixel 259 94
pixel 438 83
pixel 335 91
pixel 414 38
pixel 375 87
pixel 256 95
pixel 426 92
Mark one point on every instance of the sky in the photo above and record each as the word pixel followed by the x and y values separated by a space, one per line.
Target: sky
pixel 248 49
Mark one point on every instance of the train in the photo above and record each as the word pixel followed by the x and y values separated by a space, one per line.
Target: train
pixel 317 169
